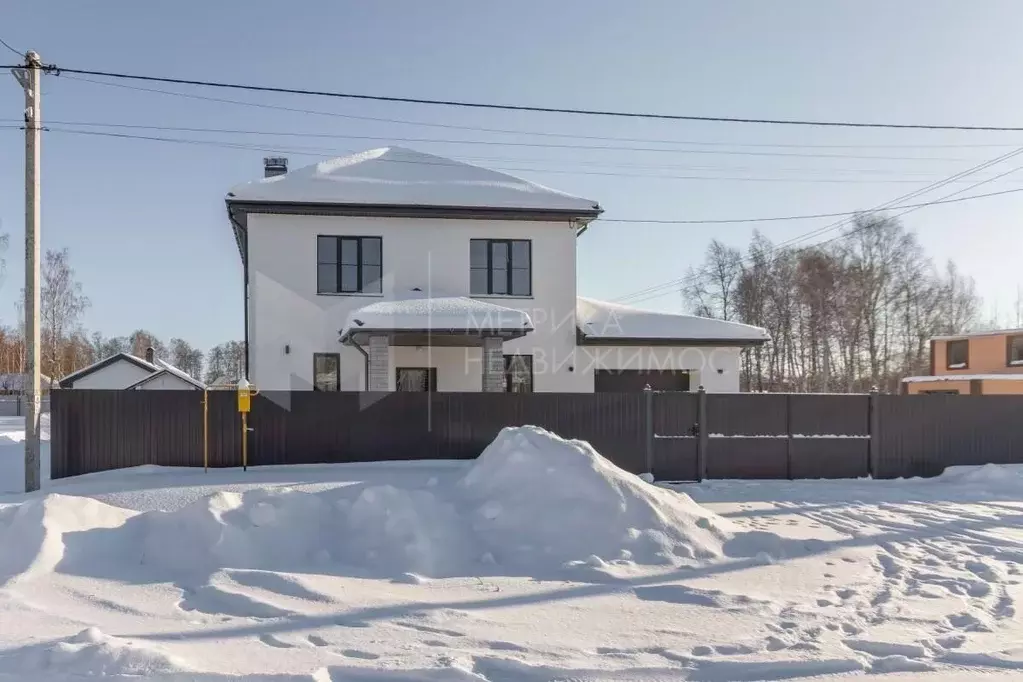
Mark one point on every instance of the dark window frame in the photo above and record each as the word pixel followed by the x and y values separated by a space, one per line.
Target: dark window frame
pixel 360 265
pixel 948 354
pixel 509 244
pixel 508 359
pixel 1008 351
pixel 337 372
pixel 431 378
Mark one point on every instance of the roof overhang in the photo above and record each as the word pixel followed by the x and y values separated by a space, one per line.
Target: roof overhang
pixel 433 338
pixel 590 340
pixel 239 210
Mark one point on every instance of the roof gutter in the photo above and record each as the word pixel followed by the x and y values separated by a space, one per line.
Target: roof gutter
pixel 352 342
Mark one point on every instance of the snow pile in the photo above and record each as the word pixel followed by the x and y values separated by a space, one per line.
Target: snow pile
pixel 89 653
pixel 32 533
pixel 988 474
pixel 534 495
pixel 532 504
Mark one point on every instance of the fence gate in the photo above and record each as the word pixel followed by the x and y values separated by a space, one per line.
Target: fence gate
pixel 673 451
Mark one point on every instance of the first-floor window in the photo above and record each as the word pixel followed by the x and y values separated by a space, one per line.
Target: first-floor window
pixel 326 372
pixel 518 373
pixel 416 379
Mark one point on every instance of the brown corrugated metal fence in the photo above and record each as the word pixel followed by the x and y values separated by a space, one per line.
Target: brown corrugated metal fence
pixel 743 435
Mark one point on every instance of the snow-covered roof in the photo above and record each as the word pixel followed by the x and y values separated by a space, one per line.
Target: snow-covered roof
pixel 970 335
pixel 395 176
pixel 421 312
pixel 963 377
pixel 96 366
pixel 181 374
pixel 605 321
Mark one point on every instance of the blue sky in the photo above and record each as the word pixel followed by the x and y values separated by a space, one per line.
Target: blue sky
pixel 145 220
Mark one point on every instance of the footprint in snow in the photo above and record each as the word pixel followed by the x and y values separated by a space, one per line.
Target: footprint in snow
pixel 316 640
pixel 363 655
pixel 275 642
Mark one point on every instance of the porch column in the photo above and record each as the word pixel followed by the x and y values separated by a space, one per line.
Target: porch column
pixel 493 364
pixel 379 378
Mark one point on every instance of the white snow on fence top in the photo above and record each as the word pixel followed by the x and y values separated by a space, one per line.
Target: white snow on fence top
pixel 420 312
pixel 964 377
pixel 397 176
pixel 604 320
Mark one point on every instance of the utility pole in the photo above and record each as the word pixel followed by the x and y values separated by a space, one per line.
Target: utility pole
pixel 30 78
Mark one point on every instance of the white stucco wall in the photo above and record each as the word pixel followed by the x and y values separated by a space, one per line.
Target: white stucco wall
pixel 167 382
pixel 432 254
pixel 703 363
pixel 117 375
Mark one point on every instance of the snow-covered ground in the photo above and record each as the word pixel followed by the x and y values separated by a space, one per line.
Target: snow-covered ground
pixel 539 561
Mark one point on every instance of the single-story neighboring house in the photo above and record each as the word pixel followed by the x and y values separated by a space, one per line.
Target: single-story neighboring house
pixel 124 371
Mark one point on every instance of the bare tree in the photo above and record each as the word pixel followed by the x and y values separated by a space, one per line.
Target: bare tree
pixel 62 304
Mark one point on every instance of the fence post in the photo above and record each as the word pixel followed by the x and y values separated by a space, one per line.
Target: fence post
pixel 702 433
pixel 874 430
pixel 788 436
pixel 648 399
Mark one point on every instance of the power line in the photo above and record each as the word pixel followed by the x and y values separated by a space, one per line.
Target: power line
pixel 527 108
pixel 665 288
pixel 7 45
pixel 247 147
pixel 540 133
pixel 498 143
pixel 506 168
pixel 805 217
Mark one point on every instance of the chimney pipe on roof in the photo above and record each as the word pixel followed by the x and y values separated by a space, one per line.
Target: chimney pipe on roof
pixel 274 166
pixel 150 354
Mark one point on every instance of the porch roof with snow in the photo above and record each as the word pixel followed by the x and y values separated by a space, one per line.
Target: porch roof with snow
pixel 605 323
pixel 422 320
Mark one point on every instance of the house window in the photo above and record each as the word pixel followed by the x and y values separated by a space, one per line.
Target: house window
pixel 326 372
pixel 957 354
pixel 518 373
pixel 416 379
pixel 348 265
pixel 1014 351
pixel 500 267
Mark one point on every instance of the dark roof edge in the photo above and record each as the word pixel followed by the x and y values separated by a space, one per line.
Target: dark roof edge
pixel 408 210
pixel 584 340
pixel 95 367
pixel 435 332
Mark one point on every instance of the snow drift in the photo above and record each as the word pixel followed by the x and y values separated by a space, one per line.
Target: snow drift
pixel 532 504
pixel 89 653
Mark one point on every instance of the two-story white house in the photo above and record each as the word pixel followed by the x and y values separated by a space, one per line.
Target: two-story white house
pixel 398 270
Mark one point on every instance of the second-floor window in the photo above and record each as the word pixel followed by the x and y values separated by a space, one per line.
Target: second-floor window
pixel 348 265
pixel 1014 351
pixel 957 354
pixel 500 267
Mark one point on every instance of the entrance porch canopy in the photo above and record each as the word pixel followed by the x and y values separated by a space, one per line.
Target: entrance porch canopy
pixel 435 321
